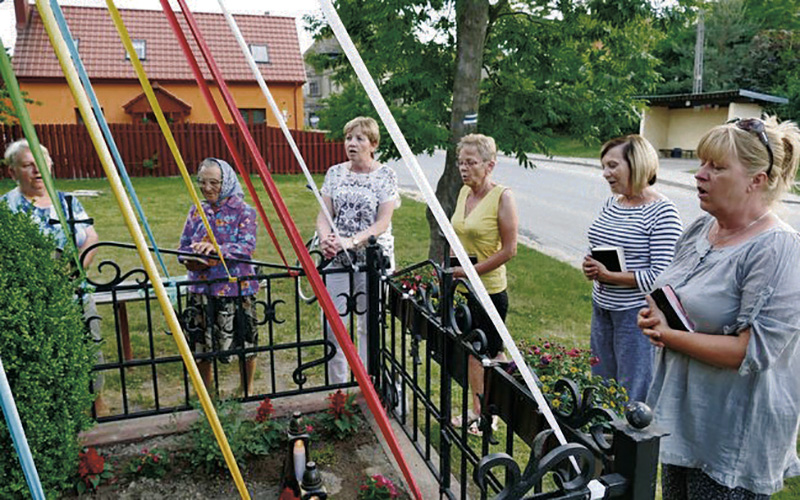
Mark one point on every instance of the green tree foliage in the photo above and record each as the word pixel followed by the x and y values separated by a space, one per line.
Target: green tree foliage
pixel 750 44
pixel 46 353
pixel 544 69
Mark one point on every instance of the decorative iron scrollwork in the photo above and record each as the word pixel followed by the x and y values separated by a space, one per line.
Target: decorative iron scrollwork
pixel 330 352
pixel 270 312
pixel 557 461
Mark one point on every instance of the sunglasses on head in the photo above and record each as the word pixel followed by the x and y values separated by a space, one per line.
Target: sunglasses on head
pixel 756 126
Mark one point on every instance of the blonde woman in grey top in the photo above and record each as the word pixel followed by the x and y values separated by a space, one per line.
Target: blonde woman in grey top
pixel 728 393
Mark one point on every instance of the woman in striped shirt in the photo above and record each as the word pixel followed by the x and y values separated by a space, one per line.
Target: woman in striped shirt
pixel 645 225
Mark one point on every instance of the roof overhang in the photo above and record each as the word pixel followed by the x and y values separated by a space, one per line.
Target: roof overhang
pixel 721 98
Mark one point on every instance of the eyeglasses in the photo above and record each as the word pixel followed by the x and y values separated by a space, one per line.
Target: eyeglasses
pixel 756 126
pixel 468 163
pixel 212 183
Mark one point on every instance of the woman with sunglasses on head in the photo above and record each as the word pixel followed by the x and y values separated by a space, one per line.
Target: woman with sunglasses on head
pixel 728 392
pixel 221 315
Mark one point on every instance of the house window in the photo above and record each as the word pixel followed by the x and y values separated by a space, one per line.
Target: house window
pixel 260 53
pixel 254 116
pixel 313 88
pixel 140 46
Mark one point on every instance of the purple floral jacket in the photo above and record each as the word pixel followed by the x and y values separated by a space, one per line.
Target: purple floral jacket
pixel 234 225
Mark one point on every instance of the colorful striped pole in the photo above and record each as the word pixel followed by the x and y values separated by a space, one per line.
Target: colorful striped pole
pixel 162 122
pixel 18 436
pixel 101 120
pixel 138 238
pixel 324 298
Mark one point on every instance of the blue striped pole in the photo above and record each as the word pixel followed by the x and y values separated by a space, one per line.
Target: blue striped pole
pixel 101 120
pixel 18 436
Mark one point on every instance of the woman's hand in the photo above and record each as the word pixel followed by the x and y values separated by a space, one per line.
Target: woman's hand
pixel 458 272
pixel 652 322
pixel 591 268
pixel 203 248
pixel 330 246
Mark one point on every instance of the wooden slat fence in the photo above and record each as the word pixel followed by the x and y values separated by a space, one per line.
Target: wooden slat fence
pixel 74 156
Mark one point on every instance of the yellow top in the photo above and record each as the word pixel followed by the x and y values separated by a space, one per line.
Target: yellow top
pixel 480 233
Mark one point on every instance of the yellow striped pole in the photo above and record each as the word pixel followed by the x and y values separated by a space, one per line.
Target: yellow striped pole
pixel 136 233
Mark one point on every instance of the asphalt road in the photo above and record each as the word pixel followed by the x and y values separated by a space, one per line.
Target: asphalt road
pixel 557 201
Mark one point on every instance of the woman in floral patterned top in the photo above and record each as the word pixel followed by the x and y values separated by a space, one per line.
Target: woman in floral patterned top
pixel 213 321
pixel 361 195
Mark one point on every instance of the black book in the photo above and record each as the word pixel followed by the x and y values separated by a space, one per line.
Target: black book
pixel 611 257
pixel 455 263
pixel 667 300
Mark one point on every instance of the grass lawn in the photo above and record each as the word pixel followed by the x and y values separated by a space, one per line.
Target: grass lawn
pixel 570 146
pixel 548 298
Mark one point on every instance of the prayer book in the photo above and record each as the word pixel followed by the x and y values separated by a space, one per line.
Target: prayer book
pixel 184 259
pixel 667 300
pixel 455 263
pixel 611 257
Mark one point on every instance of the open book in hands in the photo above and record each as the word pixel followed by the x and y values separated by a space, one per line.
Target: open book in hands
pixel 667 300
pixel 197 262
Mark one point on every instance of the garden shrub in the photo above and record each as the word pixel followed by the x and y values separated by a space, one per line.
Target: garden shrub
pixel 47 354
pixel 204 451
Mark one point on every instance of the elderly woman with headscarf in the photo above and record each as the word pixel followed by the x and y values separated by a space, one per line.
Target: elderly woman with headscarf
pixel 222 311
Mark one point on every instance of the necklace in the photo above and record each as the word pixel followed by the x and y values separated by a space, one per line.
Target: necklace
pixel 717 241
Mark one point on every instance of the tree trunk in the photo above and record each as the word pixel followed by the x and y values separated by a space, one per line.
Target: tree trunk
pixel 471 25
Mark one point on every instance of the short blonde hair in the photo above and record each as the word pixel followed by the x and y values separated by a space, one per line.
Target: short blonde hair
pixel 14 149
pixel 487 149
pixel 730 141
pixel 642 159
pixel 368 125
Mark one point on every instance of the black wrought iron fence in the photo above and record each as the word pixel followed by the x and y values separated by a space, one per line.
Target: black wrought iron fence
pixel 142 370
pixel 420 337
pixel 425 344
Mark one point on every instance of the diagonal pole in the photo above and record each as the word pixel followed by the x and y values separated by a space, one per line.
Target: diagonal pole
pixel 136 233
pixel 18 436
pixel 375 96
pixel 101 120
pixel 334 320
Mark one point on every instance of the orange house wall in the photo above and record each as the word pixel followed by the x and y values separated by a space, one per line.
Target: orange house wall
pixel 58 105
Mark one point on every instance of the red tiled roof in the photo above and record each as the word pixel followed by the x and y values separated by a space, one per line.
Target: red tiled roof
pixel 103 54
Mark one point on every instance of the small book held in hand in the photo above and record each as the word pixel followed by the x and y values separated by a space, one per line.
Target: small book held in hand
pixel 194 259
pixel 455 263
pixel 667 300
pixel 611 257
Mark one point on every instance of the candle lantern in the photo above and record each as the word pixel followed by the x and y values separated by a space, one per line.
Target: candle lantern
pixel 297 454
pixel 312 488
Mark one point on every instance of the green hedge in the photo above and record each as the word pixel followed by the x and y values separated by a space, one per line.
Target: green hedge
pixel 47 356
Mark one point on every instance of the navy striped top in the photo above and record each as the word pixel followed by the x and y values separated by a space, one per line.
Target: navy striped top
pixel 647 236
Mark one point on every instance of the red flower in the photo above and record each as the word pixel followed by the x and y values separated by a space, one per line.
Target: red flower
pixel 265 411
pixel 547 345
pixel 91 462
pixel 338 404
pixel 594 361
pixel 574 353
pixel 546 359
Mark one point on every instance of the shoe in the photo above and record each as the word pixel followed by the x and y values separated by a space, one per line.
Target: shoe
pixel 458 420
pixel 475 430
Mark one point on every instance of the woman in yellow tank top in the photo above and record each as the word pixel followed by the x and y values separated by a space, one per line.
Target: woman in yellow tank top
pixel 485 220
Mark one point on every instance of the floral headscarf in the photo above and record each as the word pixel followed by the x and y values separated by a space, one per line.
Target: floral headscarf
pixel 230 182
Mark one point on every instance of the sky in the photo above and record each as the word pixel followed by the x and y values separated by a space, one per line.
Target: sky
pixel 294 8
